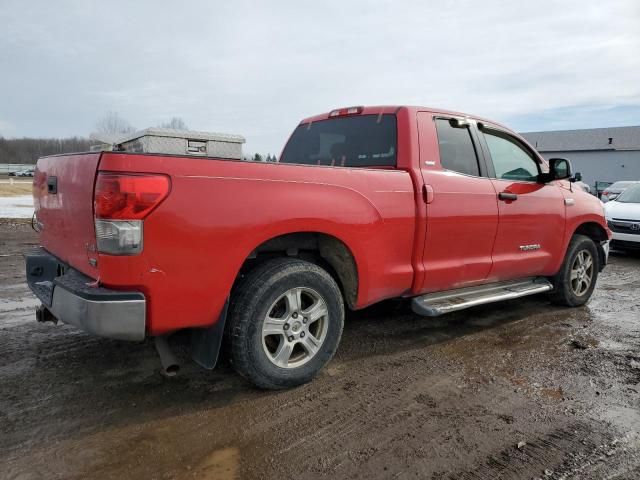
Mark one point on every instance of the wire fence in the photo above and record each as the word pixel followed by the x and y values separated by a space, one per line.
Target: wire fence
pixel 6 168
pixel 600 187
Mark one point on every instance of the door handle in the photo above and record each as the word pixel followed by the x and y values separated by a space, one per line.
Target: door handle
pixel 52 184
pixel 427 193
pixel 507 196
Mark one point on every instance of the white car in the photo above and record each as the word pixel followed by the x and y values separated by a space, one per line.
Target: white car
pixel 623 218
pixel 615 189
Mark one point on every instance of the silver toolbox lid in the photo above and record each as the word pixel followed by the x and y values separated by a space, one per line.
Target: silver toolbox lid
pixel 184 134
pixel 182 142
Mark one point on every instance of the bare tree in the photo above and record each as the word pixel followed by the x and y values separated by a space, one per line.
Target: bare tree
pixel 112 125
pixel 175 123
pixel 27 150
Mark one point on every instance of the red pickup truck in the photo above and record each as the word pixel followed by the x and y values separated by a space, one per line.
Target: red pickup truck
pixel 364 204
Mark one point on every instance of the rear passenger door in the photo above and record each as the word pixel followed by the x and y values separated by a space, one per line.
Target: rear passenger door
pixel 531 214
pixel 462 211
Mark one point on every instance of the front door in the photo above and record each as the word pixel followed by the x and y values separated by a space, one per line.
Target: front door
pixel 462 210
pixel 531 214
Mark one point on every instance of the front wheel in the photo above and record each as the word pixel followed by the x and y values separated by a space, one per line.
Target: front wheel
pixel 574 283
pixel 285 322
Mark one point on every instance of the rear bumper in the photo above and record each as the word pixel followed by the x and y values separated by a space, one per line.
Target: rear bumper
pixel 67 294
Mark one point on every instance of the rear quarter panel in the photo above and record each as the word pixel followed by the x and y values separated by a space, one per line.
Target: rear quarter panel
pixel 218 212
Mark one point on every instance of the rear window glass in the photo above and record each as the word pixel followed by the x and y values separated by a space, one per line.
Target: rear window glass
pixel 357 141
pixel 457 152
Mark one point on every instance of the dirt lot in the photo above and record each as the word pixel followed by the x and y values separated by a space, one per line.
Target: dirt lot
pixel 519 390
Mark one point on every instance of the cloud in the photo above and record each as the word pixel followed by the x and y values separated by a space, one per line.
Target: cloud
pixel 7 129
pixel 257 68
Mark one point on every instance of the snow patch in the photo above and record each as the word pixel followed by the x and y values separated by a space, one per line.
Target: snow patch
pixel 20 206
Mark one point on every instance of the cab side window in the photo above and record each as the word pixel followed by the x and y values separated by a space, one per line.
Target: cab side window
pixel 457 152
pixel 510 160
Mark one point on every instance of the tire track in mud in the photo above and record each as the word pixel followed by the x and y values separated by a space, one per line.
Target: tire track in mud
pixel 538 458
pixel 388 420
pixel 59 340
pixel 557 447
pixel 354 418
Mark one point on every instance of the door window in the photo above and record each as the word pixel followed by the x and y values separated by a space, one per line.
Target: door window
pixel 457 151
pixel 510 160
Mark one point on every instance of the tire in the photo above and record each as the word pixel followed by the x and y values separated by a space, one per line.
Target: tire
pixel 570 283
pixel 292 293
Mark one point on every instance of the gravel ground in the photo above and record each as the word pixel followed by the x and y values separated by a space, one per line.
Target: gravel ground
pixel 520 389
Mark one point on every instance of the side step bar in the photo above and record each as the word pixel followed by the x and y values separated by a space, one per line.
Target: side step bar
pixel 434 304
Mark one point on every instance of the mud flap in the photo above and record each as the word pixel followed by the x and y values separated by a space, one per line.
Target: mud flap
pixel 603 254
pixel 206 342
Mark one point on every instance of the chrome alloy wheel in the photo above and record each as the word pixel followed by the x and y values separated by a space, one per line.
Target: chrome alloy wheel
pixel 582 272
pixel 295 327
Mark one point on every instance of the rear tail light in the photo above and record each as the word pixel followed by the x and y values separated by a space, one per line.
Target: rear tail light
pixel 606 192
pixel 121 202
pixel 129 196
pixel 119 237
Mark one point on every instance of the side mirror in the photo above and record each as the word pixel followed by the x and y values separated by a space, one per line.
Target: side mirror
pixel 577 177
pixel 559 168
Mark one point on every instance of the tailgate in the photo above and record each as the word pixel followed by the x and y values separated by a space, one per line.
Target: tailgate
pixel 63 201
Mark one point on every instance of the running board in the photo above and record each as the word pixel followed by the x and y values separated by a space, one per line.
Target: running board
pixel 434 304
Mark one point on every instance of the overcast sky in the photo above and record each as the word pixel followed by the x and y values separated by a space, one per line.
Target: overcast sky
pixel 256 68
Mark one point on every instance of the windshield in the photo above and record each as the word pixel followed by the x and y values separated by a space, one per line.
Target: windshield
pixel 356 141
pixel 630 195
pixel 619 186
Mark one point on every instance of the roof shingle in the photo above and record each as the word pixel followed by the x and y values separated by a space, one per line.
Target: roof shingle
pixel 613 138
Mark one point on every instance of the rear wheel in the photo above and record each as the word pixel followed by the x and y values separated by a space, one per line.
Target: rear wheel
pixel 285 323
pixel 574 283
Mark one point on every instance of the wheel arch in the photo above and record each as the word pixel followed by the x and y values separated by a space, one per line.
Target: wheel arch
pixel 323 249
pixel 598 234
pixel 593 230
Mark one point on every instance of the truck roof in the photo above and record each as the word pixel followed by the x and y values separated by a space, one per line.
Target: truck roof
pixel 382 109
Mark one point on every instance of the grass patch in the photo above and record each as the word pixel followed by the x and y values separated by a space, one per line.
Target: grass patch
pixel 22 188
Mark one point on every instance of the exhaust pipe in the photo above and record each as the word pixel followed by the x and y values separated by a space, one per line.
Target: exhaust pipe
pixel 43 314
pixel 170 365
